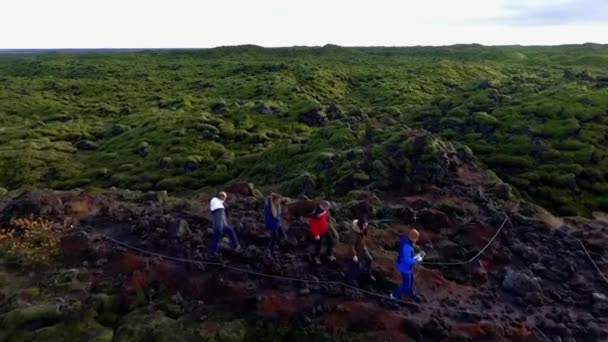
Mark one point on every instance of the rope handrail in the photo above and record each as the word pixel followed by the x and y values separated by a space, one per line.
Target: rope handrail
pixel 260 274
pixel 455 263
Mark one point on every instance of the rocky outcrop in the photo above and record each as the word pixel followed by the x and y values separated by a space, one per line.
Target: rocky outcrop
pixel 241 189
pixel 314 118
pixel 520 283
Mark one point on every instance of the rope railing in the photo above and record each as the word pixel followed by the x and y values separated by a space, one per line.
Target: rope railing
pixel 455 263
pixel 270 276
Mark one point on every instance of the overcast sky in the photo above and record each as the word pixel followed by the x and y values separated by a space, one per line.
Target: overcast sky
pixel 209 23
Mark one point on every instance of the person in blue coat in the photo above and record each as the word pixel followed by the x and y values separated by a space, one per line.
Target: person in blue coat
pixel 405 265
pixel 272 219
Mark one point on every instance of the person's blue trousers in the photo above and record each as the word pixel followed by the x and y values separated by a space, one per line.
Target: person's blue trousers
pixel 407 286
pixel 217 236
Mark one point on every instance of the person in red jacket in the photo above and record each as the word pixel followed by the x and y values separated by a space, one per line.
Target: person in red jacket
pixel 319 227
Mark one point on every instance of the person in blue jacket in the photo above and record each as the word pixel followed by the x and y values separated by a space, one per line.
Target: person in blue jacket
pixel 405 265
pixel 272 218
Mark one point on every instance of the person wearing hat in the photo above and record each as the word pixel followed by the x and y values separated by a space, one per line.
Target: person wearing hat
pixel 220 224
pixel 362 259
pixel 272 219
pixel 405 265
pixel 319 227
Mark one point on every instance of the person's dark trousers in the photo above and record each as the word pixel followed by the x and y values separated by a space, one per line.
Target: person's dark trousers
pixel 363 266
pixel 407 286
pixel 217 236
pixel 329 244
pixel 276 235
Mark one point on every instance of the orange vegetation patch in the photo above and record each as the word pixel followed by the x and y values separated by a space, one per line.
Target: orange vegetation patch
pixel 81 206
pixel 281 305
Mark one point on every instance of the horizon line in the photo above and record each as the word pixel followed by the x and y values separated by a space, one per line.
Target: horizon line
pixel 297 46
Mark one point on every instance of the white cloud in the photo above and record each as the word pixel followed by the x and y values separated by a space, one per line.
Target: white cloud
pixel 200 23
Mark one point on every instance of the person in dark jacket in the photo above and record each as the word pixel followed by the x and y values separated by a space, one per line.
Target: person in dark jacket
pixel 405 265
pixel 319 227
pixel 272 219
pixel 220 224
pixel 362 259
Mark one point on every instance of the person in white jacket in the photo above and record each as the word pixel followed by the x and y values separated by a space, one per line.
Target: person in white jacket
pixel 220 224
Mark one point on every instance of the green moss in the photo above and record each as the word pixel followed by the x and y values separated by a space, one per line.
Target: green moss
pixel 510 161
pixel 484 118
pixel 148 325
pixel 240 107
pixel 600 188
pixel 361 177
pixel 87 329
pixel 42 322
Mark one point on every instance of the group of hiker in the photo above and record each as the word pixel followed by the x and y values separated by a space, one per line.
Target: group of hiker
pixel 362 260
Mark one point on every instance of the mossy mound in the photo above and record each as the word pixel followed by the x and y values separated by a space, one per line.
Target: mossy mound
pixel 152 325
pixel 43 322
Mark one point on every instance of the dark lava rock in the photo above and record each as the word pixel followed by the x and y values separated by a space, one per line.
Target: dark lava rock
pixel 181 228
pixel 534 298
pixel 350 182
pixel 207 135
pixel 265 110
pixel 451 250
pixel 538 269
pixel 401 212
pixel 600 308
pixel 360 209
pixel 585 76
pixel 435 330
pixel 520 283
pixel 527 253
pixel 433 219
pixel 594 331
pixel 253 252
pixel 420 204
pixel 479 273
pixel 559 270
pixel 502 191
pixel 333 112
pixel 599 297
pixel 32 203
pixel 165 162
pixel 86 145
pixel 219 108
pixel 485 84
pixel 143 149
pixel 313 118
pixel 413 328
